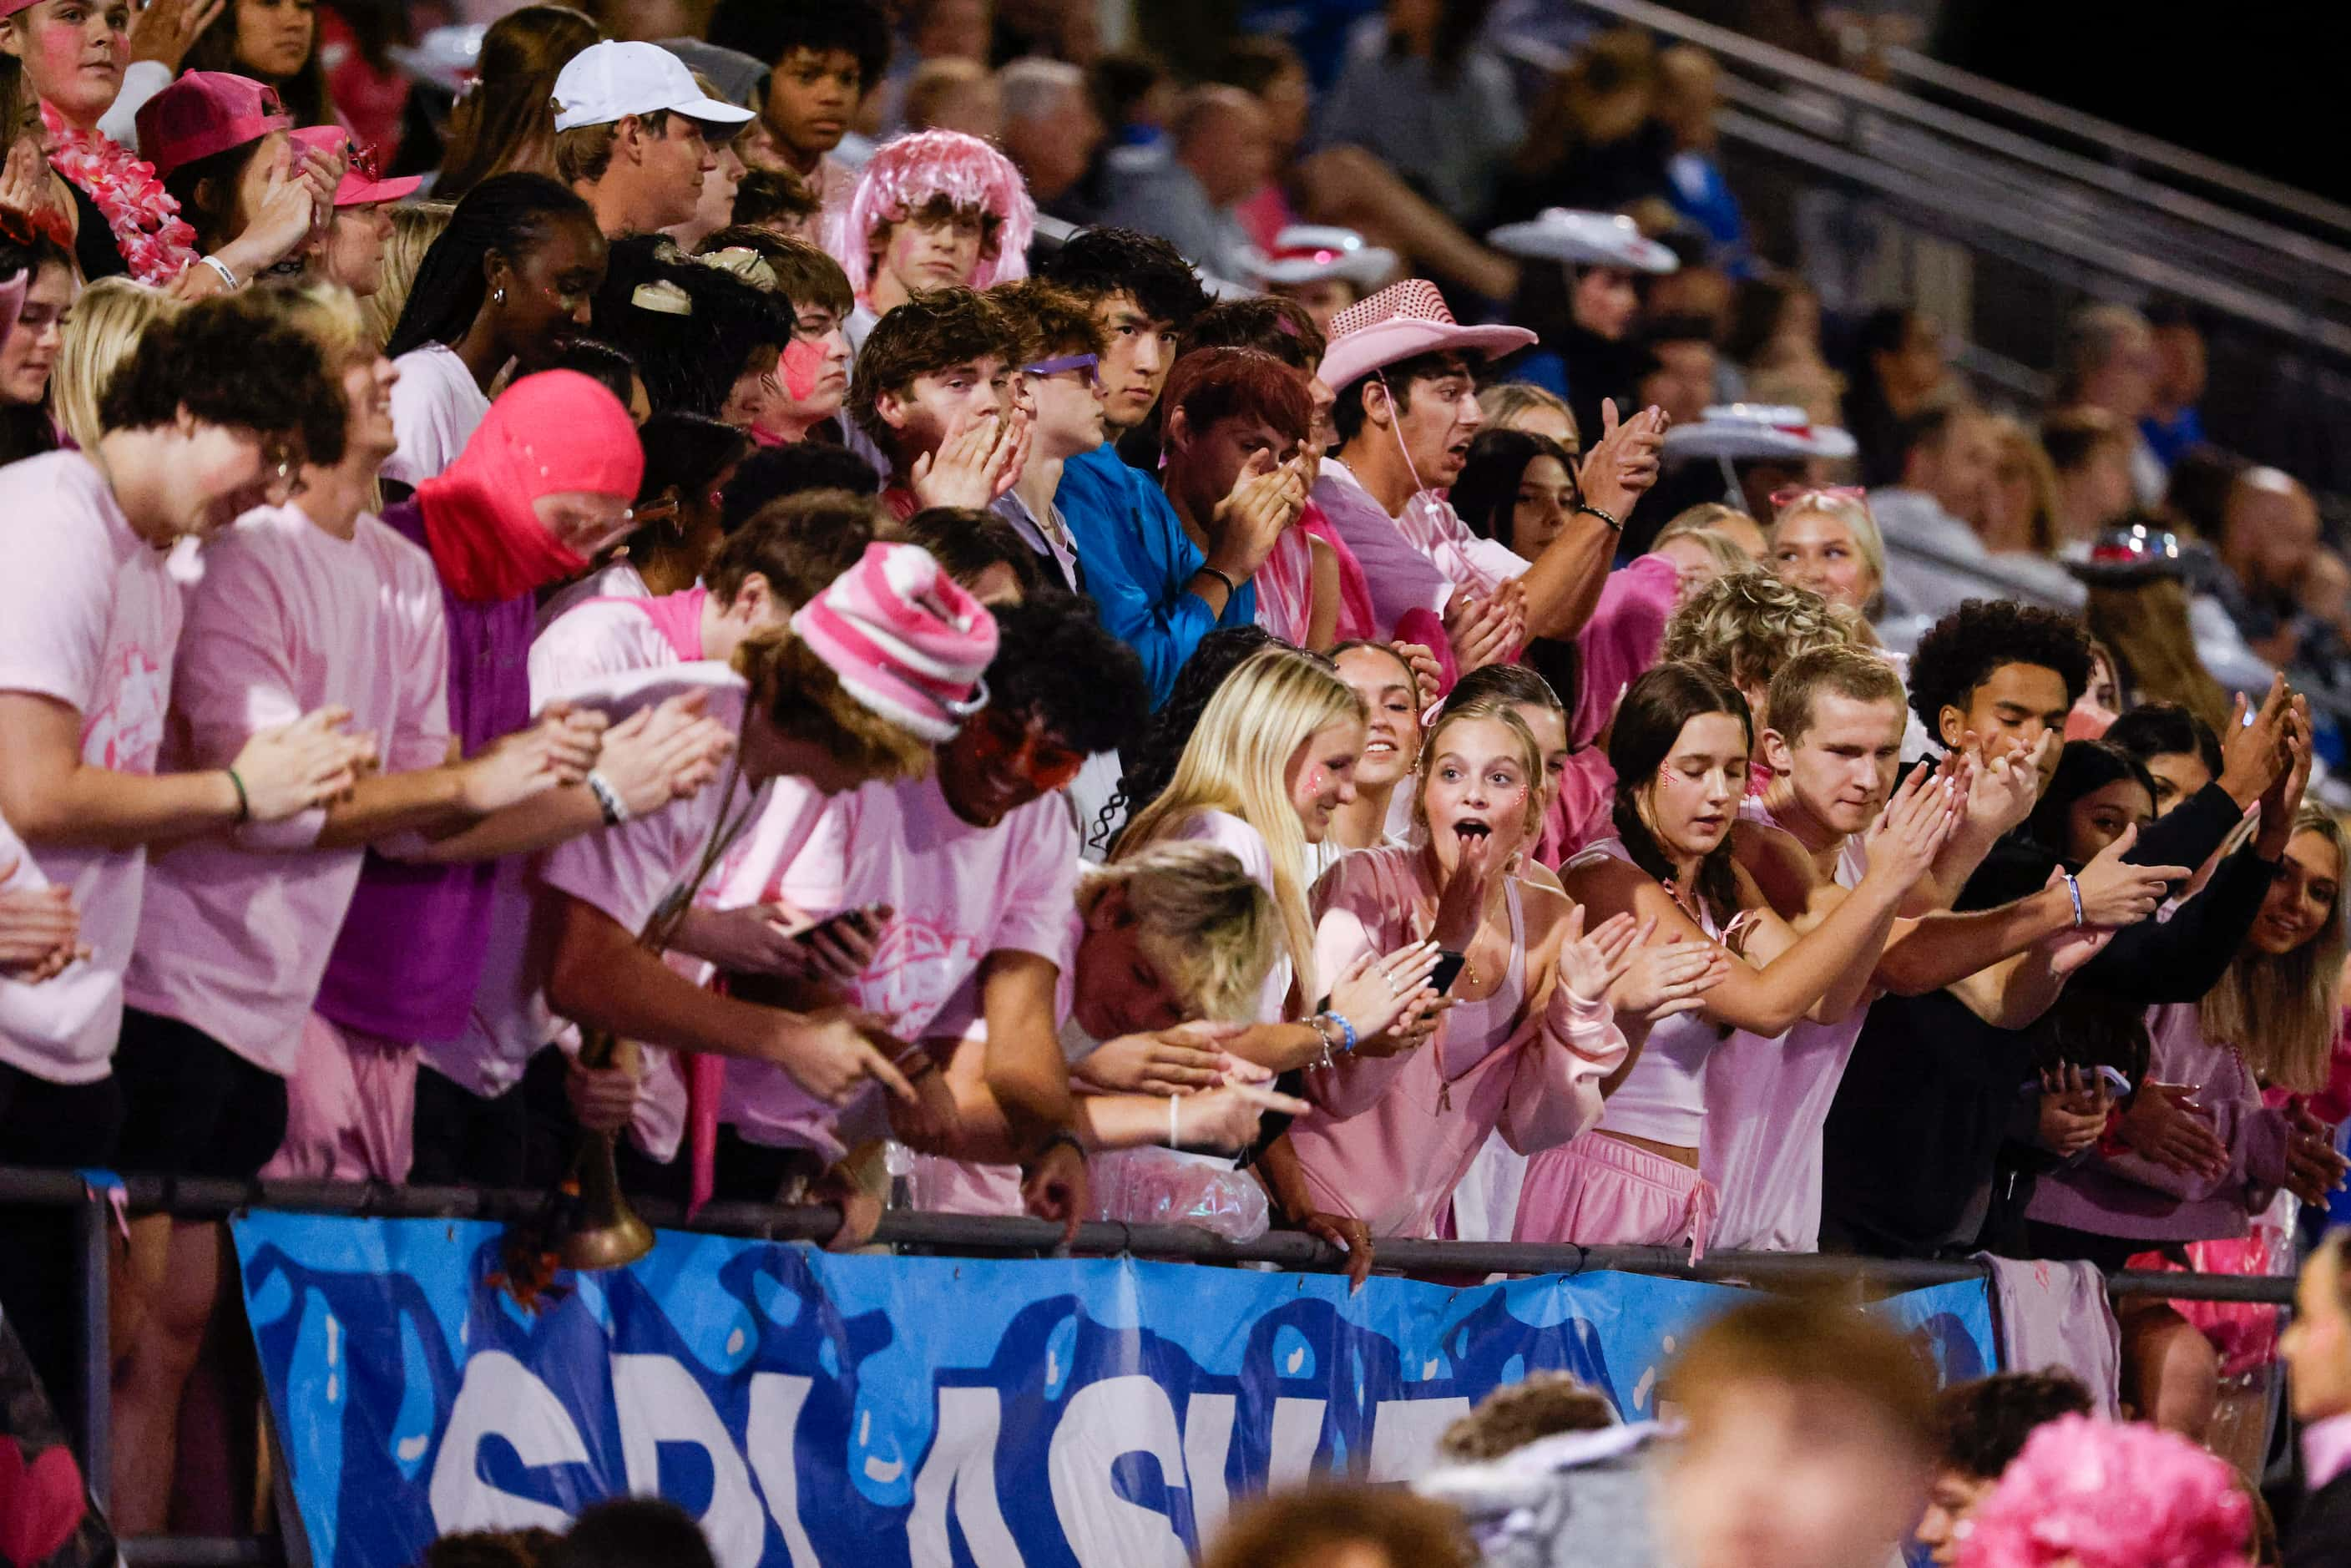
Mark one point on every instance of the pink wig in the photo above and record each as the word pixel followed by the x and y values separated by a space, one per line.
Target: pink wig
pixel 907 172
pixel 2108 1495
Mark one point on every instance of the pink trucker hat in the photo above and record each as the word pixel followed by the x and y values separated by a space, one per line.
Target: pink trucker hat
pixel 363 182
pixel 207 112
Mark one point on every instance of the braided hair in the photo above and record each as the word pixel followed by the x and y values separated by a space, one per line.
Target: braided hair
pixel 508 214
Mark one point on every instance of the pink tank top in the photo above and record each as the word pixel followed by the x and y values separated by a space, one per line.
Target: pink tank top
pixel 1662 1099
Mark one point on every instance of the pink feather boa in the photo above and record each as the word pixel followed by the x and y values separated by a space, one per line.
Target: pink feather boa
pixel 156 243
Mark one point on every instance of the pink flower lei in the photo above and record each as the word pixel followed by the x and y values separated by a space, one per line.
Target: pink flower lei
pixel 156 243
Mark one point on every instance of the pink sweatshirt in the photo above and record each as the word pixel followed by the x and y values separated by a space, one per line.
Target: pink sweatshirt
pixel 1377 1145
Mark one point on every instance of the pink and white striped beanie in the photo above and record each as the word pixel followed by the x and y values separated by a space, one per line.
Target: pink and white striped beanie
pixel 904 638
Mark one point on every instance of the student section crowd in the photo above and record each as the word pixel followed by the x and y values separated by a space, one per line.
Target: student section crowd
pixel 1132 744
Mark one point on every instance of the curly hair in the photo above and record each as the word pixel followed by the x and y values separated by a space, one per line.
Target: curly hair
pixel 1095 263
pixel 1055 662
pixel 1541 1404
pixel 691 359
pixel 1303 1529
pixel 934 329
pixel 240 361
pixel 1984 1422
pixel 767 30
pixel 1963 651
pixel 1747 624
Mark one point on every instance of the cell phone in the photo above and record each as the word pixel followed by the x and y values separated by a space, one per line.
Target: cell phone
pixel 864 917
pixel 1448 965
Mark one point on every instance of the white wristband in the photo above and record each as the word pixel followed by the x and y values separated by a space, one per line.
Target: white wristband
pixel 222 268
pixel 608 800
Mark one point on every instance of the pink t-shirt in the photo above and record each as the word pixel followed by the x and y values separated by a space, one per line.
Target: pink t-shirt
pixel 958 893
pixel 1766 1101
pixel 236 930
pixel 628 871
pixel 88 617
pixel 616 579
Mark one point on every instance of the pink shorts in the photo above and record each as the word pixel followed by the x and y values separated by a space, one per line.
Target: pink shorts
pixel 1600 1191
pixel 351 1107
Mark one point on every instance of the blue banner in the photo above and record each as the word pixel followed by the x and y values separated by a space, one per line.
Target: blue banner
pixel 874 1410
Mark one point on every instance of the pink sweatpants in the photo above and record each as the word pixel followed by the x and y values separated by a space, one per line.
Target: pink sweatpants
pixel 351 1107
pixel 1600 1191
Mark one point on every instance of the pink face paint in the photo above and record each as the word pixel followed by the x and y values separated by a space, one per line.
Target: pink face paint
pixel 803 364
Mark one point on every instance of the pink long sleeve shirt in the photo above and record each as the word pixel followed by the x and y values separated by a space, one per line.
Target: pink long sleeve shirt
pixel 1378 1144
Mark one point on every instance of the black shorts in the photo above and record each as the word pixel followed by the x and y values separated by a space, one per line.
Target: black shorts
pixel 191 1106
pixel 72 1126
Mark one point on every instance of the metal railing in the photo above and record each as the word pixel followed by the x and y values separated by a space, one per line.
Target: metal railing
pixel 2047 209
pixel 202 1198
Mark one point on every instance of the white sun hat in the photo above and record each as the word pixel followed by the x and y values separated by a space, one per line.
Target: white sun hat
pixel 1308 252
pixel 1585 239
pixel 1744 432
pixel 1403 321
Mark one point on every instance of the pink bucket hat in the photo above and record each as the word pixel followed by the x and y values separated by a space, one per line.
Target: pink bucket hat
pixel 904 638
pixel 207 112
pixel 363 183
pixel 1400 322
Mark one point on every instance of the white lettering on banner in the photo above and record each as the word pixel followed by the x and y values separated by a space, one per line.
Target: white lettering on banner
pixel 658 1401
pixel 1103 1421
pixel 1405 1434
pixel 769 1437
pixel 961 1468
pixel 1207 1444
pixel 1297 1432
pixel 501 1397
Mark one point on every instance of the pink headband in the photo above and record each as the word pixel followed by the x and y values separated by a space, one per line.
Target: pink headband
pixel 904 639
pixel 905 173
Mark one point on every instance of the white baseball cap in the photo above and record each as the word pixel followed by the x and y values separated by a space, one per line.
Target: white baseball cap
pixel 608 82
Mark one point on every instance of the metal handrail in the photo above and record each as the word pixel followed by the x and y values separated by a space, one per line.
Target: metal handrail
pixel 208 1198
pixel 2120 143
pixel 1860 91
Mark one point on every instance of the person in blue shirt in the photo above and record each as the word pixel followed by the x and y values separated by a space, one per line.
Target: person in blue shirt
pixel 2172 424
pixel 1153 586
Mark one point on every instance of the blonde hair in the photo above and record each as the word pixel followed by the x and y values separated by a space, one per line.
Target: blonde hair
pixel 804 699
pixel 1501 710
pixel 329 314
pixel 1724 550
pixel 1854 513
pixel 414 227
pixel 2281 1010
pixel 1747 624
pixel 2146 626
pixel 1860 673
pixel 1237 761
pixel 1205 919
pixel 105 327
pixel 1506 405
pixel 2019 446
